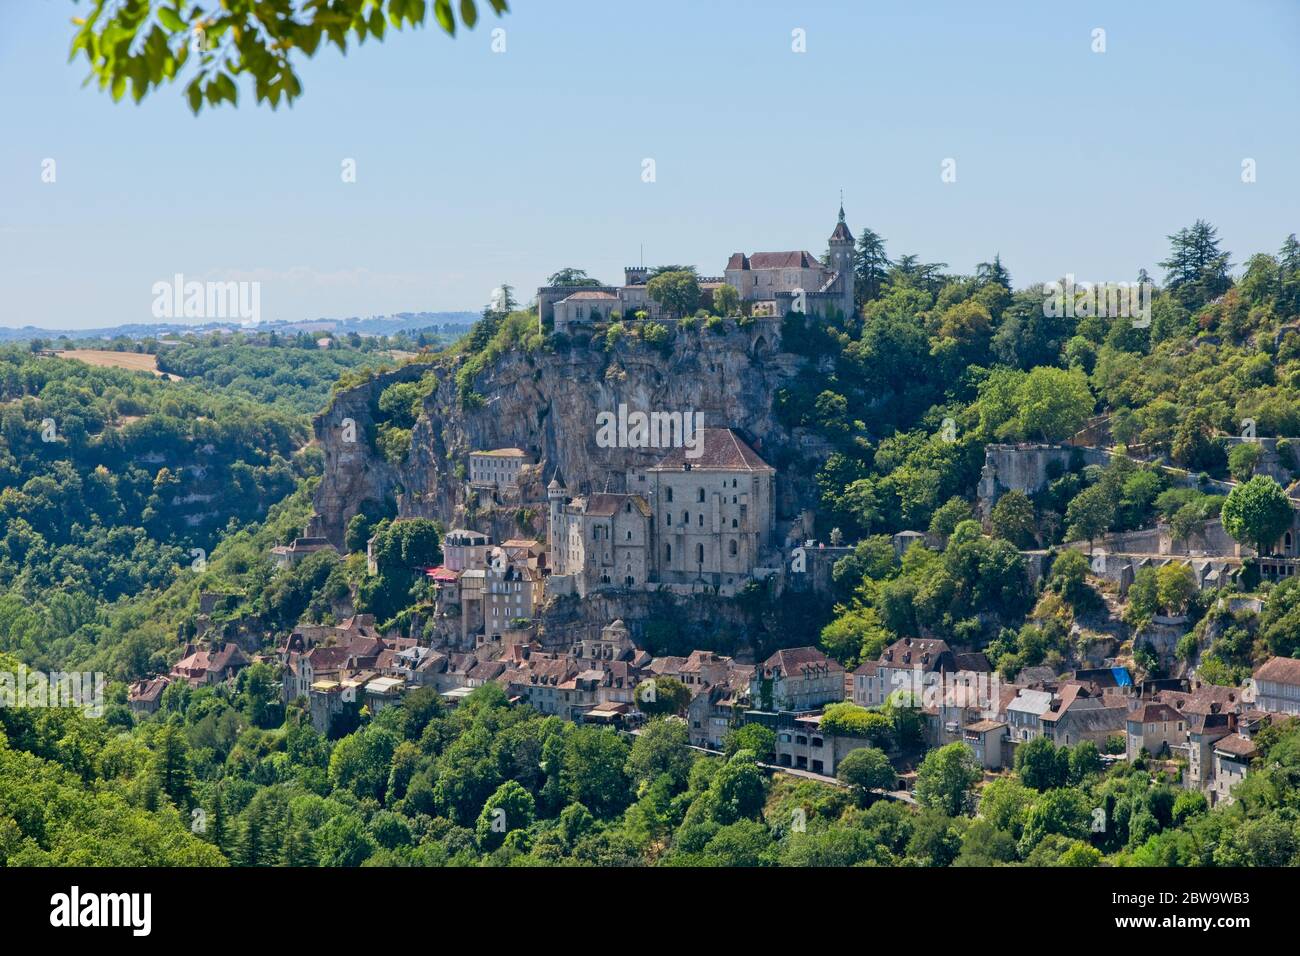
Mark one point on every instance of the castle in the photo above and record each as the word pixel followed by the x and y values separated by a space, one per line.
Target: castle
pixel 770 284
pixel 689 522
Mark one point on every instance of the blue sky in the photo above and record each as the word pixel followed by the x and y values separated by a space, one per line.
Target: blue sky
pixel 475 168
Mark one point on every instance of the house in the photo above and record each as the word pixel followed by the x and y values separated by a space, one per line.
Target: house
pixel 463 549
pixel 288 556
pixel 801 744
pixel 145 696
pixel 714 709
pixel 987 738
pixel 910 664
pixel 499 468
pixel 797 679
pixel 1080 712
pixel 1232 756
pixel 1024 714
pixel 513 592
pixel 1154 729
pixel 1203 732
pixel 200 667
pixel 868 686
pixel 1277 685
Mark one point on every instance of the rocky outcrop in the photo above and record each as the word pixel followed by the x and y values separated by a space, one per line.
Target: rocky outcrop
pixel 547 402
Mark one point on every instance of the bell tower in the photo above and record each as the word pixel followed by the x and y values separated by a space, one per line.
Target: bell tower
pixel 841 254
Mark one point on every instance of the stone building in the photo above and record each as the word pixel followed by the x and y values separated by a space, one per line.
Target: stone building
pixel 463 549
pixel 1277 686
pixel 499 468
pixel 598 540
pixel 777 283
pixel 797 679
pixel 770 284
pixel 714 513
pixel 512 592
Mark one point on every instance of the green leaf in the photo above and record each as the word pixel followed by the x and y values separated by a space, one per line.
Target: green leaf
pixel 170 19
pixel 468 13
pixel 442 12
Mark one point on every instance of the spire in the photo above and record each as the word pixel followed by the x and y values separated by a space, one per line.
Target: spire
pixel 841 232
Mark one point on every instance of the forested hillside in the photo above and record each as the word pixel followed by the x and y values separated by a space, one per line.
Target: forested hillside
pixel 96 562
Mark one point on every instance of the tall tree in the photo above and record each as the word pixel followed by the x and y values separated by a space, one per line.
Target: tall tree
pixel 872 267
pixel 571 277
pixel 994 272
pixel 1257 513
pixel 1197 269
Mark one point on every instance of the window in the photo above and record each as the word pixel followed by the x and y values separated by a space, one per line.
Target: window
pixel 701 495
pixel 669 519
pixel 670 493
pixel 699 553
pixel 731 548
pixel 701 522
pixel 668 552
pixel 735 523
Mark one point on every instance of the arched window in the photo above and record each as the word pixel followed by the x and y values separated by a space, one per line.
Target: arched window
pixel 668 552
pixel 701 495
pixel 701 519
pixel 699 553
pixel 686 517
pixel 670 493
pixel 669 518
pixel 731 548
pixel 735 523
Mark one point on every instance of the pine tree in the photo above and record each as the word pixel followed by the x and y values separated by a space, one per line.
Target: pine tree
pixel 1197 270
pixel 872 267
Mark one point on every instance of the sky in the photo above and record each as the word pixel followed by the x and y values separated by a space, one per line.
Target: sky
pixel 475 167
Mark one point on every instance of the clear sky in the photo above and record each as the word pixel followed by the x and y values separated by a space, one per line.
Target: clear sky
pixel 475 168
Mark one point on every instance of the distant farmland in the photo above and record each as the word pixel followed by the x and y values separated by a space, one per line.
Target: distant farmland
pixel 133 361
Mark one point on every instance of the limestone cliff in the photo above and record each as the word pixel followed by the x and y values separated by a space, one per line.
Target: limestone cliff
pixel 547 402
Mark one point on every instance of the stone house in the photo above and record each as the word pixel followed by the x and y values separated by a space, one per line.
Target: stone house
pixel 797 679
pixel 203 666
pixel 987 738
pixel 1232 756
pixel 499 468
pixel 462 549
pixel 145 696
pixel 1154 729
pixel 1277 685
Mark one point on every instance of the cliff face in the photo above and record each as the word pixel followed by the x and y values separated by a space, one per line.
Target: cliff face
pixel 547 403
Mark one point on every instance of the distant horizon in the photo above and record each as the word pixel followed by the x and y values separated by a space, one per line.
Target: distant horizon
pixel 474 168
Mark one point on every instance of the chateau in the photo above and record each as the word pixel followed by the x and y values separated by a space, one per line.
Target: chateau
pixel 771 284
pixel 688 522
